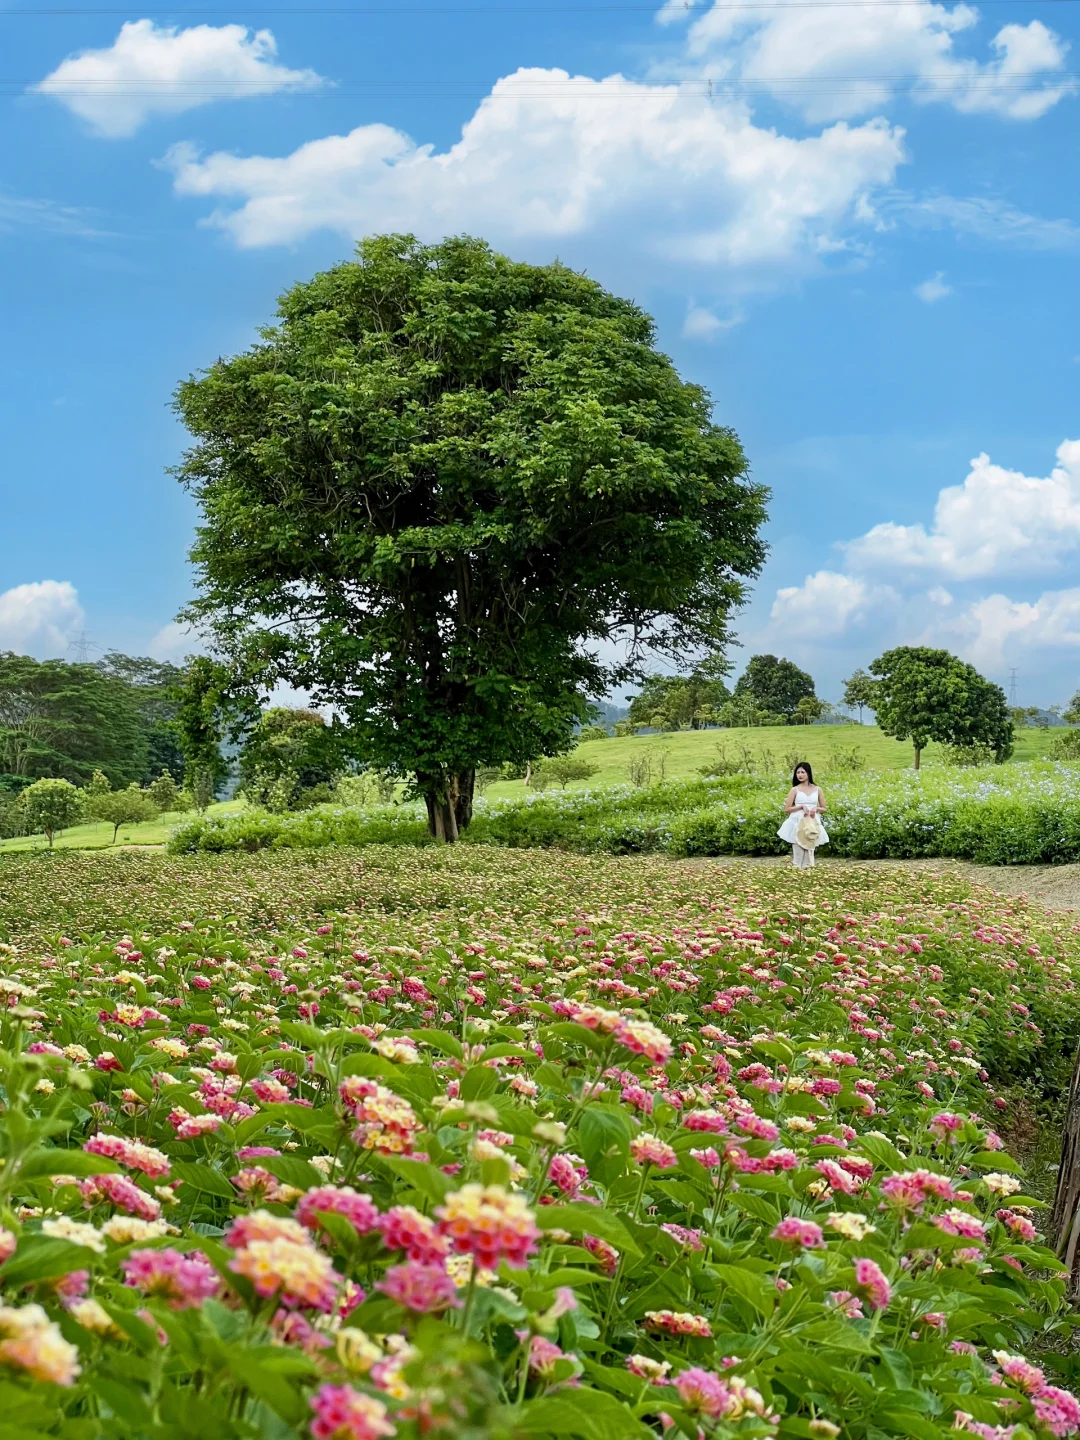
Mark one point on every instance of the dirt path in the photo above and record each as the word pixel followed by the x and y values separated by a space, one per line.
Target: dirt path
pixel 1055 886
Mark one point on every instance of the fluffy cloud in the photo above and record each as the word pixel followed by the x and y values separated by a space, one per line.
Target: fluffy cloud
pixel 152 70
pixel 551 155
pixel 836 63
pixel 932 290
pixel 40 618
pixel 998 522
pixel 827 604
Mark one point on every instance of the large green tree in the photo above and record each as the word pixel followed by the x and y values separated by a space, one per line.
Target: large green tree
pixel 154 685
pixel 924 694
pixel 440 487
pixel 774 685
pixel 676 701
pixel 66 721
pixel 860 692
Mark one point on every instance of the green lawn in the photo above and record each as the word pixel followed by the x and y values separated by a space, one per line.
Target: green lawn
pixel 100 837
pixel 682 754
pixel 770 746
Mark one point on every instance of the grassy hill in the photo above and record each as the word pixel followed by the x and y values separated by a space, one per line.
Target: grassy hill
pixel 768 749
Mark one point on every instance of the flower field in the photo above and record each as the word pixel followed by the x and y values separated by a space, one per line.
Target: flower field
pixel 486 1143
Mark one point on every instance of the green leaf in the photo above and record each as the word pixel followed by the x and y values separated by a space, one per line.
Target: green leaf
pixel 204 1178
pixel 423 1177
pixel 835 1335
pixel 996 1160
pixel 440 1040
pixel 293 1170
pixel 909 1422
pixel 478 1082
pixel 577 1218
pixel 604 1133
pixel 748 1286
pixel 575 1034
pixel 43 1257
pixel 54 1161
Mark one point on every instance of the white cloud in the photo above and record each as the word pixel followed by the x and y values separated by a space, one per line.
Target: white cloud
pixel 152 70
pixel 18 212
pixel 550 155
pixel 832 63
pixel 934 289
pixel 173 642
pixel 985 219
pixel 998 522
pixel 702 324
pixel 827 604
pixel 40 618
pixel 995 628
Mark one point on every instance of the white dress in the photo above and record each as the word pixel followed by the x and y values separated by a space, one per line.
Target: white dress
pixel 788 830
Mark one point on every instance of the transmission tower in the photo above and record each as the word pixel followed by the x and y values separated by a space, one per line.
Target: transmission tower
pixel 82 645
pixel 1012 688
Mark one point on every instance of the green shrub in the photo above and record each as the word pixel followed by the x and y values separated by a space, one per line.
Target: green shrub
pixel 1066 745
pixel 564 768
pixel 592 732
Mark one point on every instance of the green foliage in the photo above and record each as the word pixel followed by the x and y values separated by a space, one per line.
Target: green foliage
pixel 66 721
pixel 675 702
pixel 966 757
pixel 294 744
pixel 121 807
pixel 925 694
pixel 153 685
pixel 165 793
pixel 1071 714
pixel 592 732
pixel 860 691
pixel 774 686
pixel 1066 745
pixel 98 784
pixel 436 483
pixel 210 708
pixel 563 768
pixel 49 806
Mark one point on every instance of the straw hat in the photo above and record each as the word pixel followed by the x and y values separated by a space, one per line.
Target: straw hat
pixel 808 834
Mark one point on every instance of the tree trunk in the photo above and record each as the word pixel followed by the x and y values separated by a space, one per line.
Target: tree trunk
pixel 449 801
pixel 918 755
pixel 1065 1216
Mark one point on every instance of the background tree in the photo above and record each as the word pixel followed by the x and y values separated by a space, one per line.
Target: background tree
pixel 859 692
pixel 65 721
pixel 809 709
pixel 774 685
pixel 291 742
pixel 433 491
pixel 164 792
pixel 926 694
pixel 130 806
pixel 210 708
pixel 50 806
pixel 1072 710
pixel 154 685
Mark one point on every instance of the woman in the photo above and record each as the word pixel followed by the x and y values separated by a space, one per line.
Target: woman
pixel 804 798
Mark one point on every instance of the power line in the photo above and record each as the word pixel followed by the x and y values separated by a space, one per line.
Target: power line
pixel 82 645
pixel 1012 687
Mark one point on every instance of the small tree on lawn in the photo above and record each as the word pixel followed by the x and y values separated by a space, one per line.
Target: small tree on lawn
pixel 439 488
pixel 164 792
pixel 925 694
pixel 51 806
pixel 123 807
pixel 859 692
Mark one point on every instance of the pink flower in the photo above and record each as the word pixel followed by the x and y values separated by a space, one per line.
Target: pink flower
pixel 847 1303
pixel 870 1279
pixel 184 1280
pixel 758 1128
pixel 488 1223
pixel 704 1393
pixel 190 1127
pixel 794 1231
pixel 8 1242
pixel 678 1322
pixel 129 1152
pixel 121 1192
pixel 566 1175
pixel 423 1288
pixel 945 1125
pixel 270 1092
pixel 544 1355
pixel 342 1413
pixel 1018 1225
pixel 644 1039
pixel 1057 1409
pixel 358 1209
pixel 1020 1372
pixel 959 1222
pixel 837 1177
pixel 648 1150
pixel 404 1228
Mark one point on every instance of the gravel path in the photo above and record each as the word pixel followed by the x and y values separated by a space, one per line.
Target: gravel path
pixel 1055 886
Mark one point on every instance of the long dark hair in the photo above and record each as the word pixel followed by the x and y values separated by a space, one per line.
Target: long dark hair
pixel 802 765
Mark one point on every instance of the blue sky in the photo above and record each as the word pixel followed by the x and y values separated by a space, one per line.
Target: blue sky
pixel 856 224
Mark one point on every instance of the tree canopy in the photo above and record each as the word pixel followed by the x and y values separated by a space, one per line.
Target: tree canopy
pixel 775 686
pixel 436 491
pixel 291 742
pixel 860 691
pixel 672 702
pixel 924 694
pixel 64 721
